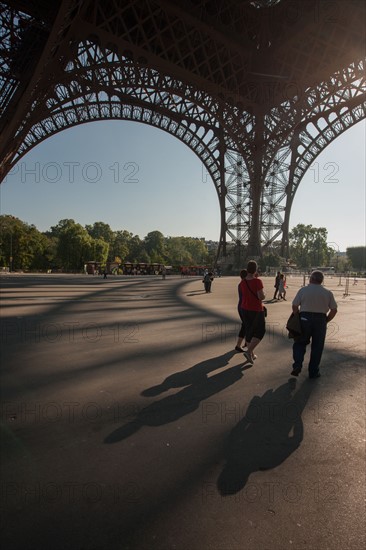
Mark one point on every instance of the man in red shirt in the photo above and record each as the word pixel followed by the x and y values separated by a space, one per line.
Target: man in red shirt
pixel 252 296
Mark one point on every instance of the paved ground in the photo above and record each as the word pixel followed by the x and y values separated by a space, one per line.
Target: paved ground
pixel 130 423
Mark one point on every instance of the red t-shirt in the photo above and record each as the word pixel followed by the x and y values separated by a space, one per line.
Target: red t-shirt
pixel 250 301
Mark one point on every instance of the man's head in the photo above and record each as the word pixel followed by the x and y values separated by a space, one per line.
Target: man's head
pixel 316 277
pixel 252 267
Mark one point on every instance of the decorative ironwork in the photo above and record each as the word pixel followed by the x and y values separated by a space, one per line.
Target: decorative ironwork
pixel 256 89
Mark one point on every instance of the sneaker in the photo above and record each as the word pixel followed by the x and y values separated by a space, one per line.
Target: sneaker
pixel 316 375
pixel 248 357
pixel 237 348
pixel 296 371
pixel 254 357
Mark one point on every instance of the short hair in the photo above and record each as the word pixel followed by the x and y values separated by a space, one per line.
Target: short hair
pixel 243 273
pixel 252 267
pixel 317 277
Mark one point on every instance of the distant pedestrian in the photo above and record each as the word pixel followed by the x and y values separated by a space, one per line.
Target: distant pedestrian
pixel 241 334
pixel 254 315
pixel 317 307
pixel 104 273
pixel 207 281
pixel 282 288
pixel 277 284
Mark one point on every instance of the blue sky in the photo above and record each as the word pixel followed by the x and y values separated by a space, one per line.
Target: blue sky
pixel 135 177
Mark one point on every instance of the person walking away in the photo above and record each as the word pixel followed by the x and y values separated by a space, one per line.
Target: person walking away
pixel 317 307
pixel 252 296
pixel 207 280
pixel 277 284
pixel 241 335
pixel 281 288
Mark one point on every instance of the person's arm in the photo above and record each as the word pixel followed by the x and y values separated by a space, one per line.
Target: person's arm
pixel 332 308
pixel 332 313
pixel 260 292
pixel 261 295
pixel 296 302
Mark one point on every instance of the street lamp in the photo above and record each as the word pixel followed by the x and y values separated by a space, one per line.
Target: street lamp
pixel 11 253
pixel 340 277
pixel 336 255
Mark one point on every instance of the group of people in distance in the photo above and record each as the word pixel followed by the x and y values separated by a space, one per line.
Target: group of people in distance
pixel 314 304
pixel 280 286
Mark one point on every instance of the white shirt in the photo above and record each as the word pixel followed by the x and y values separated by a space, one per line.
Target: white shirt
pixel 315 299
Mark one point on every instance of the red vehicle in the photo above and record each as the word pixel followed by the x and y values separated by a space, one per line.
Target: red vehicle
pixel 193 270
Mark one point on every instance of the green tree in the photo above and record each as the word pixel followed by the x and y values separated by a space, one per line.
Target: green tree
pixel 100 230
pixel 137 252
pixel 50 251
pixel 55 230
pixel 270 260
pixel 186 251
pixel 36 245
pixel 22 246
pixel 154 244
pixel 357 257
pixel 75 246
pixel 176 252
pixel 100 250
pixel 120 246
pixel 308 246
pixel 198 250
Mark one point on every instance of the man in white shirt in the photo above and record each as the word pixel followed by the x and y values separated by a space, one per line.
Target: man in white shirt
pixel 317 307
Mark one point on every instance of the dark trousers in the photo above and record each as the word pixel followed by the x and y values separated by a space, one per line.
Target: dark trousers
pixel 208 286
pixel 314 328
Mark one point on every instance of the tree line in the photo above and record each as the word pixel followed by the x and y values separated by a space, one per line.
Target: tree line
pixel 68 246
pixel 309 247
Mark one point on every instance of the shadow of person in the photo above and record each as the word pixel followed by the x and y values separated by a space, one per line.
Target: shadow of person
pixel 270 431
pixel 193 375
pixel 175 406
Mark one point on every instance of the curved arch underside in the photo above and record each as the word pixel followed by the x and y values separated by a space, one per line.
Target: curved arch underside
pixel 256 155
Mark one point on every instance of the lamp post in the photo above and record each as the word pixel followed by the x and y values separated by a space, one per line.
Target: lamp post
pixel 331 243
pixel 11 253
pixel 337 256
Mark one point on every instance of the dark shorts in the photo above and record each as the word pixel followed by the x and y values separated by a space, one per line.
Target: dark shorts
pixel 255 324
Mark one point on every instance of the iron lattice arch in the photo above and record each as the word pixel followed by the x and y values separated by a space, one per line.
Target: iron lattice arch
pixel 184 71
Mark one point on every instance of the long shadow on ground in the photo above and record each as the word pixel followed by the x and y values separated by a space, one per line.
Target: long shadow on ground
pixel 271 430
pixel 185 401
